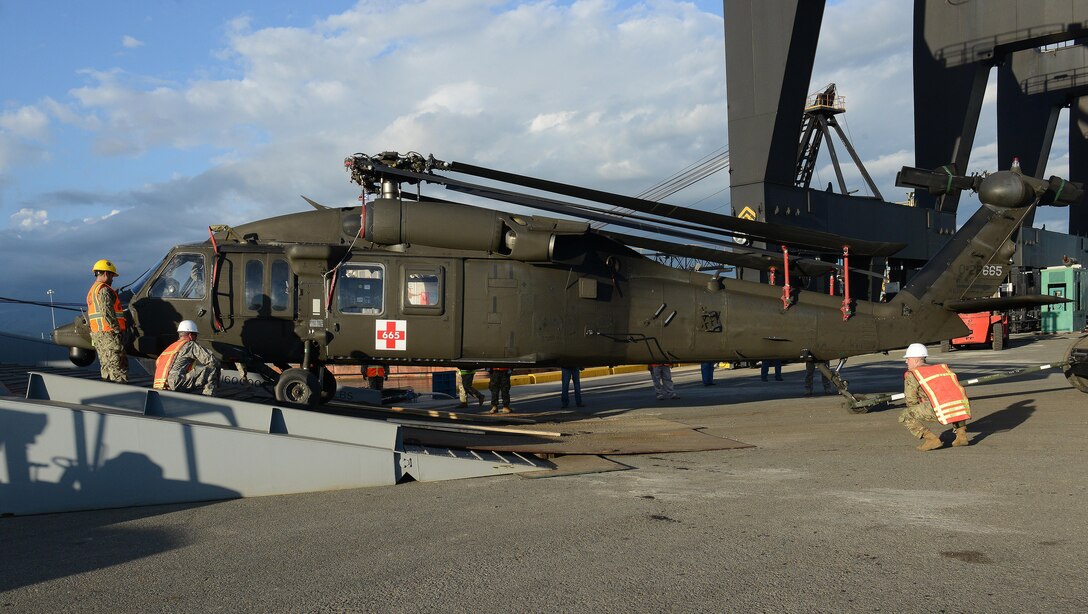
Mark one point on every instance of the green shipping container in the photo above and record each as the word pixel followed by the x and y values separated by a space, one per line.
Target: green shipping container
pixel 1069 282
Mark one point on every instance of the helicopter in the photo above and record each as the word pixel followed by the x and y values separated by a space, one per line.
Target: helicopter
pixel 410 279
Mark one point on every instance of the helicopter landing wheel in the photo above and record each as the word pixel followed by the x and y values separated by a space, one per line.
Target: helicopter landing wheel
pixel 298 386
pixel 1077 371
pixel 328 385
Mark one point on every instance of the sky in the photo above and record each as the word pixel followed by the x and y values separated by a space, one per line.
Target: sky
pixel 127 127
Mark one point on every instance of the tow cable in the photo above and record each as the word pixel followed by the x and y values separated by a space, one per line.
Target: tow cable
pixel 862 403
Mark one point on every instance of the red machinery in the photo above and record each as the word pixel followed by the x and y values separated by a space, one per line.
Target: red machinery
pixel 987 327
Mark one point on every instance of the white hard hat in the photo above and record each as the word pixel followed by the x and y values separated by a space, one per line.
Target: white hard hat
pixel 187 326
pixel 916 350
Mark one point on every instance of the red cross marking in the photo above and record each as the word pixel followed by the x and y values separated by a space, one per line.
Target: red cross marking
pixel 391 335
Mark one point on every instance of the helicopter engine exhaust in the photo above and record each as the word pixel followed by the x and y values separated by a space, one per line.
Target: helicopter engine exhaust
pixel 389 221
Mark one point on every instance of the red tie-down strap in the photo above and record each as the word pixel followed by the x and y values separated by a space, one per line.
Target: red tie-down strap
pixel 845 309
pixel 787 296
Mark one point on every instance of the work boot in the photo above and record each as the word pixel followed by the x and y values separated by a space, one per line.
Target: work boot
pixel 932 442
pixel 480 401
pixel 961 436
pixel 808 392
pixel 494 409
pixel 462 405
pixel 506 410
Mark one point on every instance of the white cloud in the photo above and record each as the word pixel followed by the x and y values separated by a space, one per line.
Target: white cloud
pixel 25 122
pixel 129 42
pixel 551 121
pixel 97 219
pixel 29 219
pixel 24 133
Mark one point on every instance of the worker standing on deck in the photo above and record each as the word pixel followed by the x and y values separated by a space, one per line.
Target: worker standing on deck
pixel 661 376
pixel 810 373
pixel 571 375
pixel 106 319
pixel 933 394
pixel 500 390
pixel 375 376
pixel 186 366
pixel 465 387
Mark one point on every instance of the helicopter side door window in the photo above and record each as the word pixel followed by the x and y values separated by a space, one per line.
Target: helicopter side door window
pixel 254 286
pixel 423 290
pixel 183 278
pixel 281 285
pixel 360 289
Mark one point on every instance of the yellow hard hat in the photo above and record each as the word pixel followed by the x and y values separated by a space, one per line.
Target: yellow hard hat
pixel 104 265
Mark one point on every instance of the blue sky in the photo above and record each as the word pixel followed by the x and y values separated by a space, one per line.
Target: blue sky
pixel 128 127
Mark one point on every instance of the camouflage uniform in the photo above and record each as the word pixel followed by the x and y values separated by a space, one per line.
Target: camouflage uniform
pixel 918 407
pixel 810 373
pixel 465 387
pixel 204 375
pixel 110 346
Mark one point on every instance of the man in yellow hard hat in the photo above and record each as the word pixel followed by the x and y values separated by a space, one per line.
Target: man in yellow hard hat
pixel 106 319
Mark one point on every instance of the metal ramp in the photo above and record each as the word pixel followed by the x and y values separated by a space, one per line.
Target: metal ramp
pixel 75 444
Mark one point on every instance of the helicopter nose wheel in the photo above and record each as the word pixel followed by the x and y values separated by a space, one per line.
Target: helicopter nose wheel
pixel 298 386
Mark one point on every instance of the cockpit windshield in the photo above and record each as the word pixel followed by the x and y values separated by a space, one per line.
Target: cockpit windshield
pixel 182 278
pixel 136 286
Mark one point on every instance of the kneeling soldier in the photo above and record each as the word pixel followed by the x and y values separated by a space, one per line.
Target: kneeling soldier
pixel 933 394
pixel 185 366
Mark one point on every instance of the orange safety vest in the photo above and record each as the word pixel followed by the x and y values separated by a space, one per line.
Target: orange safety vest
pixel 164 362
pixel 375 371
pixel 946 395
pixel 95 311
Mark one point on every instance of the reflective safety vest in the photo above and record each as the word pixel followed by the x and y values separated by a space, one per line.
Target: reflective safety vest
pixel 375 371
pixel 945 394
pixel 96 311
pixel 165 361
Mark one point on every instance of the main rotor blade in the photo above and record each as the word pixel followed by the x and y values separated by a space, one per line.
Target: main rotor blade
pixel 717 223
pixel 777 233
pixel 804 266
pixel 752 261
pixel 553 206
pixel 751 257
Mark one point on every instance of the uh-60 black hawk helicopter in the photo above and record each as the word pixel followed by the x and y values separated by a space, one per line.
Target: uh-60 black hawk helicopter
pixel 416 280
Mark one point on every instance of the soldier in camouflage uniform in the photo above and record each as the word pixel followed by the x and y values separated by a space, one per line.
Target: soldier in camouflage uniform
pixel 919 409
pixel 186 366
pixel 106 319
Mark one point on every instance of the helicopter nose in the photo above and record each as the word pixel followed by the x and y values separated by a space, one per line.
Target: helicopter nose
pixel 70 335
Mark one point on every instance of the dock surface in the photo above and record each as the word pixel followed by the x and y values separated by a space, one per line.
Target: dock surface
pixel 828 512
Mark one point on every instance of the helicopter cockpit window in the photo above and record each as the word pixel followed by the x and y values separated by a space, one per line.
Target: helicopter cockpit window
pixel 423 288
pixel 281 285
pixel 183 278
pixel 360 288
